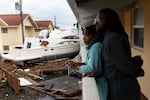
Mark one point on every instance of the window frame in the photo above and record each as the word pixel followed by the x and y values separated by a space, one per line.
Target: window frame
pixel 135 26
pixel 4 30
pixel 6 47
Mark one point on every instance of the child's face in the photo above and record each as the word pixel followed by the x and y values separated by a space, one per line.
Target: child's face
pixel 87 38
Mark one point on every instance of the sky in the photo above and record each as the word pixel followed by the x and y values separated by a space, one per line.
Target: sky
pixel 42 10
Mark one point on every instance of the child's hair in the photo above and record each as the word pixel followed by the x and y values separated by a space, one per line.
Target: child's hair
pixel 89 30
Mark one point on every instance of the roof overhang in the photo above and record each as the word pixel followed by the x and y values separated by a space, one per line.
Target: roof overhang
pixel 86 10
pixel 12 26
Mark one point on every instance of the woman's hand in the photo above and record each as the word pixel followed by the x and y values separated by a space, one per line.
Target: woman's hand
pixel 74 65
pixel 70 63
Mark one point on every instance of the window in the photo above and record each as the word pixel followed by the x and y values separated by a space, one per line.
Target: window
pixel 70 37
pixel 6 47
pixel 138 28
pixel 4 30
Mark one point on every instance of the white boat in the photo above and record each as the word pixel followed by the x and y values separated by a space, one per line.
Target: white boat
pixel 56 44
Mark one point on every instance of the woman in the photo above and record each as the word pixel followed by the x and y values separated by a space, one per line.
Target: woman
pixel 93 58
pixel 116 56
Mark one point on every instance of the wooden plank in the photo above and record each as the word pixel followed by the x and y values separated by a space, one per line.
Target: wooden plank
pixel 2 75
pixel 89 89
pixel 61 90
pixel 53 69
pixel 36 76
pixel 13 81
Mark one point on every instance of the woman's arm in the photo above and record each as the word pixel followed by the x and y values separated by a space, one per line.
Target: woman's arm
pixel 94 62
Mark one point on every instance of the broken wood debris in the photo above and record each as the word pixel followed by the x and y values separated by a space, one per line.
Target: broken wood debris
pixel 9 72
pixel 8 67
pixel 64 88
pixel 35 76
pixel 49 66
pixel 13 81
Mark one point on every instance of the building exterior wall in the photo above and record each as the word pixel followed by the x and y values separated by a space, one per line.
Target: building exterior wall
pixel 29 31
pixel 0 40
pixel 29 28
pixel 127 22
pixel 27 22
pixel 146 80
pixel 13 37
pixel 2 24
pixel 50 27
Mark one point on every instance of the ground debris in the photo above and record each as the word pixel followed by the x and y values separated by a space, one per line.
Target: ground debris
pixel 51 69
pixel 48 67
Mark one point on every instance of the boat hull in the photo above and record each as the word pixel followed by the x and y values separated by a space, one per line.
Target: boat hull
pixel 40 53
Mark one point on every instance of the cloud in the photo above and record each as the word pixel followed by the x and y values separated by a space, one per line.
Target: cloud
pixel 42 10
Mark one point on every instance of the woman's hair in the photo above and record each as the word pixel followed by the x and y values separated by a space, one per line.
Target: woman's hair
pixel 115 23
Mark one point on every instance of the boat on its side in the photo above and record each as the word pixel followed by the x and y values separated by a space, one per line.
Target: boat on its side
pixel 56 44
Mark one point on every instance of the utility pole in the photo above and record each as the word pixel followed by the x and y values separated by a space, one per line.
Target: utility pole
pixel 18 6
pixel 55 20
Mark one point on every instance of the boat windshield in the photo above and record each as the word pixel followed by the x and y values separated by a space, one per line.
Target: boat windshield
pixel 70 37
pixel 18 47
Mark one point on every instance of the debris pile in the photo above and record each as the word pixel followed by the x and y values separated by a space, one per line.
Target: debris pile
pixel 58 85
